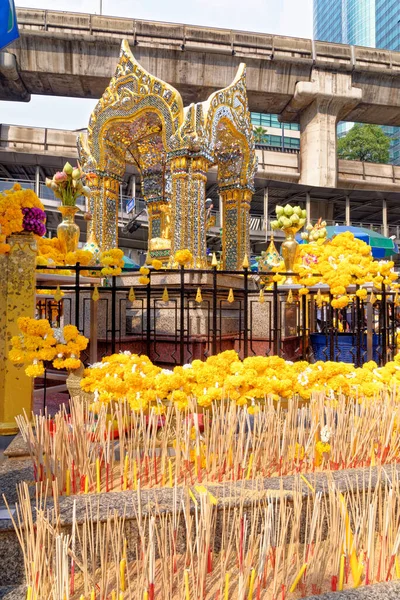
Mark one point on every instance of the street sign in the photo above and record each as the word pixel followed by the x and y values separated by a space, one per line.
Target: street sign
pixel 8 23
pixel 130 205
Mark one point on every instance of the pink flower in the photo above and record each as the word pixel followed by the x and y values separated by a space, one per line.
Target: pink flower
pixel 60 176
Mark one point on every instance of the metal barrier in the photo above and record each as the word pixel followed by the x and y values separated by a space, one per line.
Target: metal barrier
pixel 231 315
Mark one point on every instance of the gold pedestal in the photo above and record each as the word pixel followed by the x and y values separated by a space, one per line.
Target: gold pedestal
pixel 17 299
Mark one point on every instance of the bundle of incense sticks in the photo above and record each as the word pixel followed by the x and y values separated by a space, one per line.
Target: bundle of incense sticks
pixel 263 545
pixel 83 452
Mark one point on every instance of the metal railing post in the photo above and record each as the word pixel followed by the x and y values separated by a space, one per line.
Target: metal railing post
pixel 275 341
pixel 148 316
pixel 113 313
pixel 246 313
pixel 93 331
pixel 77 294
pixel 331 330
pixel 214 313
pixel 358 331
pixel 304 326
pixel 182 317
pixel 384 335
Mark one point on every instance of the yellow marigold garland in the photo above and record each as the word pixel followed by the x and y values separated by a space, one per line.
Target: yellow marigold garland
pixel 112 262
pixel 183 257
pixel 134 378
pixel 39 343
pixel 156 264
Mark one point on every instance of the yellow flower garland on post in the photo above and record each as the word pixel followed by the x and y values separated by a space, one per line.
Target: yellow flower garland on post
pixel 39 343
pixel 183 257
pixel 112 262
pixel 156 264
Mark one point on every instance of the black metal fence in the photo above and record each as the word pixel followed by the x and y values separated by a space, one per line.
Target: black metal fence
pixel 185 314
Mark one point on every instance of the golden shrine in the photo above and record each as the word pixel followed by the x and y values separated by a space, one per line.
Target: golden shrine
pixel 141 120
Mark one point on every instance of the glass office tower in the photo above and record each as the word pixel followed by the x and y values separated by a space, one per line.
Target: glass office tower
pixel 374 23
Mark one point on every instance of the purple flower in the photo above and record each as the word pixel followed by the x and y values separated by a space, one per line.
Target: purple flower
pixel 34 220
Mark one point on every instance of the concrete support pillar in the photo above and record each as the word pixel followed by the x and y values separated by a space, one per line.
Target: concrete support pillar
pixel 318 147
pixel 266 212
pixel 17 299
pixel 385 218
pixel 121 201
pixel 132 189
pixel 348 221
pixel 320 104
pixel 308 207
pixel 37 180
pixel 321 209
pixel 236 231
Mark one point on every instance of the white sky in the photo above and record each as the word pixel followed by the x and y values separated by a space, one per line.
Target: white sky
pixel 282 17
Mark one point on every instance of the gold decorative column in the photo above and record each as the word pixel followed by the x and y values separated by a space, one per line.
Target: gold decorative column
pixel 188 207
pixel 17 299
pixel 236 227
pixel 159 231
pixel 93 226
pixel 103 206
pixel 108 213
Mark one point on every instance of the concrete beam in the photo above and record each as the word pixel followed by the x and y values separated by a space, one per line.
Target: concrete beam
pixel 72 54
pixel 52 147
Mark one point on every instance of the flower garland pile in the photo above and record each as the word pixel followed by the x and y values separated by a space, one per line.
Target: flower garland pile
pixel 134 378
pixel 20 210
pixel 342 261
pixel 50 254
pixel 39 343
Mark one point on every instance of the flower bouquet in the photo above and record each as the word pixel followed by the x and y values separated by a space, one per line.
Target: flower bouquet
pixel 68 184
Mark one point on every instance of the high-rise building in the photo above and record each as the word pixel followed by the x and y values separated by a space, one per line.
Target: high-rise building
pixel 373 23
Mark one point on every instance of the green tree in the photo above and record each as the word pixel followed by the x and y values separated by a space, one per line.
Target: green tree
pixel 260 135
pixel 365 142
